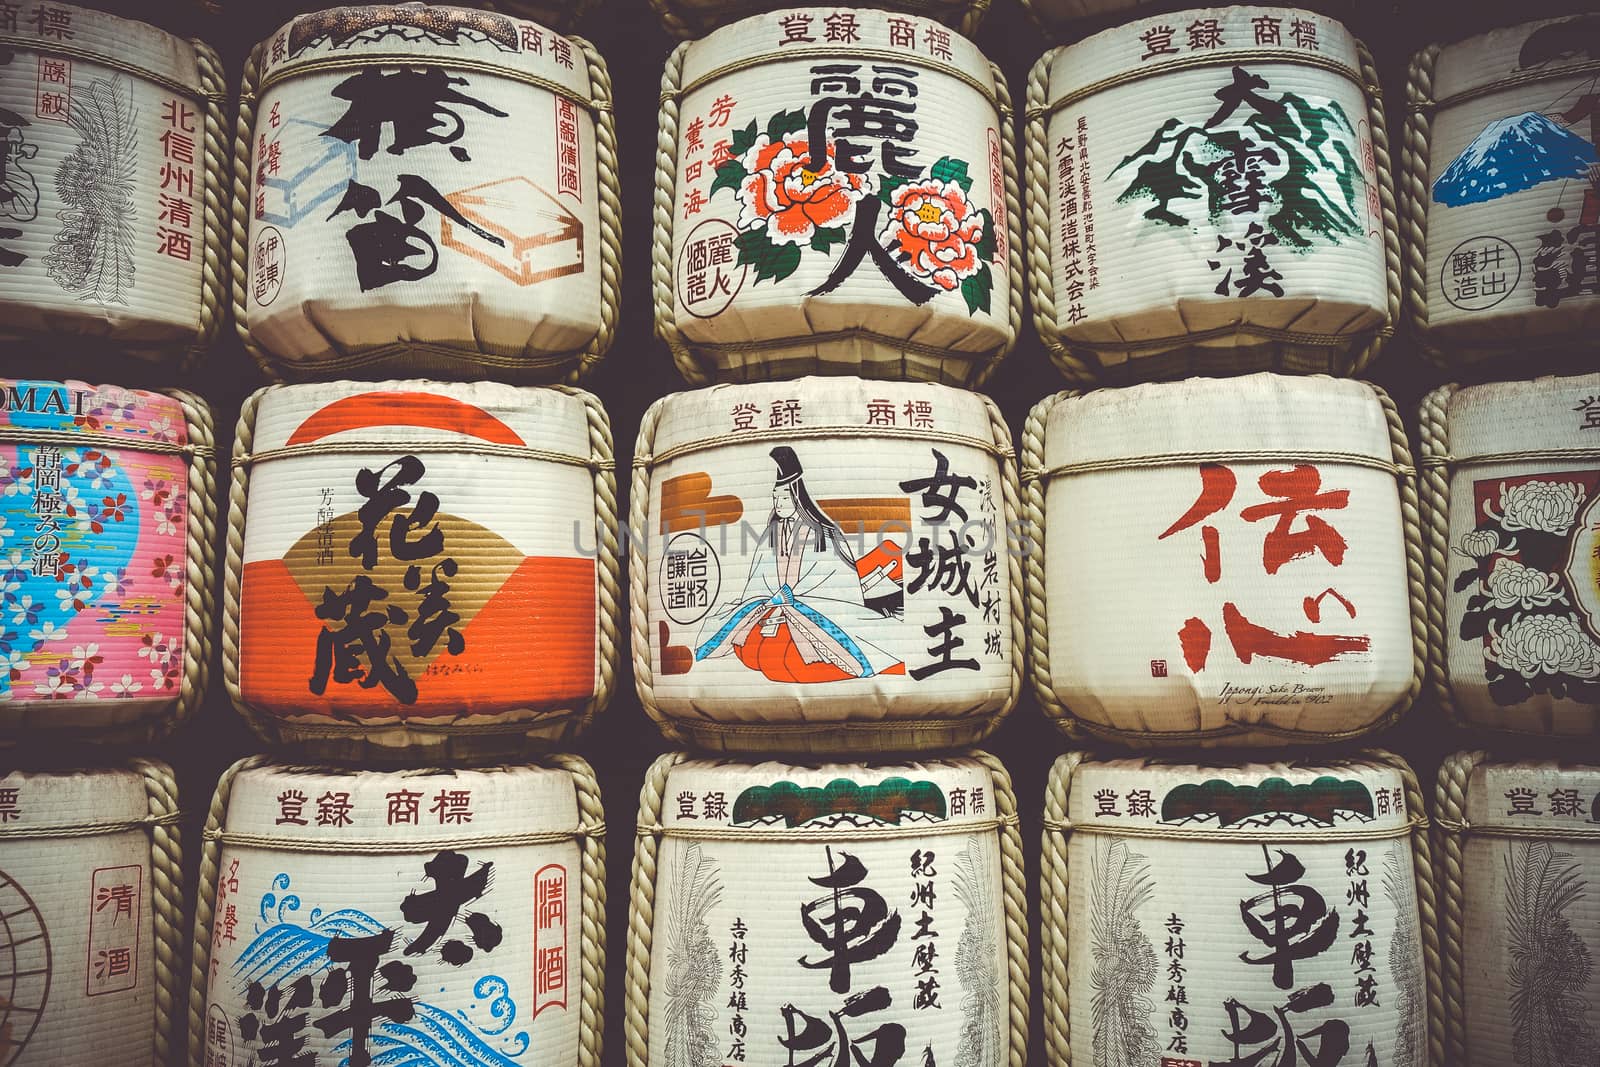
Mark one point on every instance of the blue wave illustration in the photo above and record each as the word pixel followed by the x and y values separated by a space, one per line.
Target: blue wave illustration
pixel 284 951
pixel 434 1038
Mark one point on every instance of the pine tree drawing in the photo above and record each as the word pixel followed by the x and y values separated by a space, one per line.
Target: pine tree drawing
pixel 1291 164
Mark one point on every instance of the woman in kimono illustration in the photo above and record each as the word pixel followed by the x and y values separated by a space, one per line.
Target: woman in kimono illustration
pixel 806 601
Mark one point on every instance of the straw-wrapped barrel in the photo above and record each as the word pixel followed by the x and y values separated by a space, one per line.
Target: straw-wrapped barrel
pixel 421 565
pixel 425 190
pixel 110 515
pixel 1209 192
pixel 827 913
pixel 112 170
pixel 1518 864
pixel 836 192
pixel 417 916
pixel 1223 561
pixel 788 596
pixel 1222 913
pixel 1501 188
pixel 91 916
pixel 1511 480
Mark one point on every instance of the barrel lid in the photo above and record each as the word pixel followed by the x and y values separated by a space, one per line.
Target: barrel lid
pixel 1217 37
pixel 818 35
pixel 1547 413
pixel 284 806
pixel 1545 797
pixel 453 37
pixel 1529 50
pixel 417 413
pixel 1265 413
pixel 81 33
pixel 734 799
pixel 104 410
pixel 723 412
pixel 42 800
pixel 1268 799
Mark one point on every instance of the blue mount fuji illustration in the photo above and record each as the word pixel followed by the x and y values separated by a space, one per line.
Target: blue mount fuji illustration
pixel 1510 155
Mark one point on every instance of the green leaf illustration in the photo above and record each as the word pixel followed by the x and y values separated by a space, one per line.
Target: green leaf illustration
pixel 986 243
pixel 886 187
pixel 775 262
pixel 977 289
pixel 743 139
pixel 729 176
pixel 949 169
pixel 785 122
pixel 825 237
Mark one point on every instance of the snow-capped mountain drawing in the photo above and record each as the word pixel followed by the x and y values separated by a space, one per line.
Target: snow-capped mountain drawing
pixel 1512 154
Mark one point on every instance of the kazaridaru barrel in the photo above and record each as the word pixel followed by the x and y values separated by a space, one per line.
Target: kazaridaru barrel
pixel 425 189
pixel 790 594
pixel 1511 476
pixel 1209 192
pixel 836 192
pixel 1238 912
pixel 1517 874
pixel 1502 193
pixel 112 166
pixel 421 564
pixel 1223 561
pixel 787 914
pixel 91 891
pixel 416 916
pixel 109 515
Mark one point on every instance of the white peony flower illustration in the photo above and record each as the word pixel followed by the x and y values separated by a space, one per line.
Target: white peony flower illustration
pixel 1479 544
pixel 1511 584
pixel 1532 645
pixel 1551 507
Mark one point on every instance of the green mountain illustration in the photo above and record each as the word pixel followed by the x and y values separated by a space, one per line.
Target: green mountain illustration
pixel 1180 163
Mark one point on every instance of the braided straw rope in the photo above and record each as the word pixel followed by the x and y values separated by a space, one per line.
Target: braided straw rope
pixel 1054 924
pixel 663 277
pixel 1038 619
pixel 591 847
pixel 444 740
pixel 1427 902
pixel 166 877
pixel 839 738
pixel 1033 444
pixel 641 907
pixel 1414 185
pixel 642 910
pixel 1434 433
pixel 213 271
pixel 1078 362
pixel 1450 799
pixel 435 359
pixel 205 903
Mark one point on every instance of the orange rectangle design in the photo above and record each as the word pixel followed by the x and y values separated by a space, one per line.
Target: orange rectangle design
pixel 869 514
pixel 530 645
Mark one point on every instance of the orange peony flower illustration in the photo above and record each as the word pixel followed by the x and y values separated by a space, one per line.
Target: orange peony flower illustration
pixel 788 200
pixel 937 227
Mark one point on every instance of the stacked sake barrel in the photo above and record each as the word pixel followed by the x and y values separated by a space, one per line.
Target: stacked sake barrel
pixel 1508 498
pixel 1209 192
pixel 837 255
pixel 1223 563
pixel 422 585
pixel 1502 194
pixel 111 229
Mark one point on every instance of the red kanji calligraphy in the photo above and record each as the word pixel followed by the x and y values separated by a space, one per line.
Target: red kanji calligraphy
pixel 1298 490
